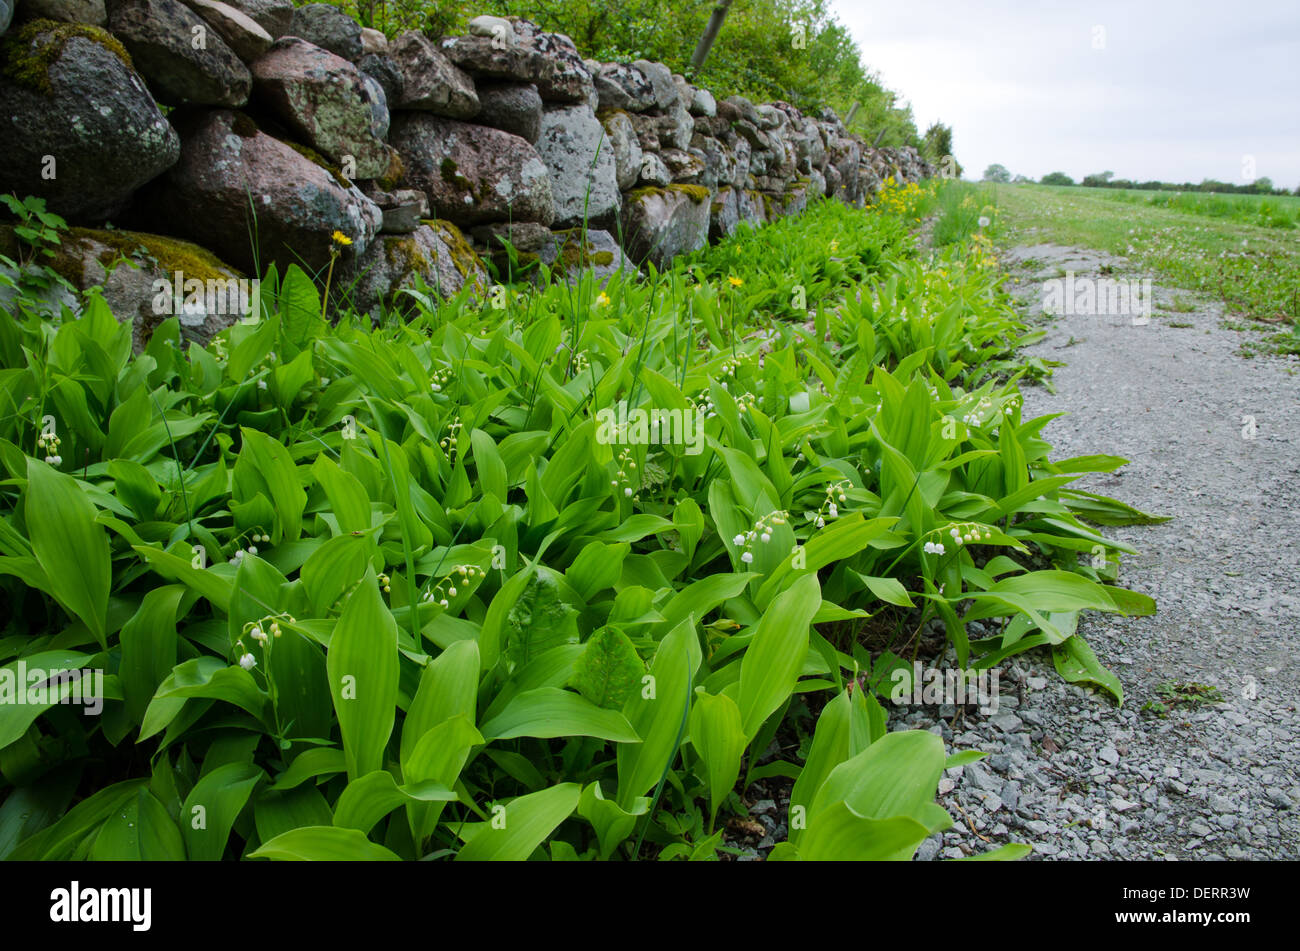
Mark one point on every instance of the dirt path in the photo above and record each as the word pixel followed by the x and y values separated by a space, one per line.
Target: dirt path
pixel 1072 773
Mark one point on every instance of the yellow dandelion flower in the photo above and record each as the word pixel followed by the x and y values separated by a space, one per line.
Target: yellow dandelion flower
pixel 735 281
pixel 340 238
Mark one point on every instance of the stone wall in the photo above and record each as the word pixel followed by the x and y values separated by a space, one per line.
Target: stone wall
pixel 262 133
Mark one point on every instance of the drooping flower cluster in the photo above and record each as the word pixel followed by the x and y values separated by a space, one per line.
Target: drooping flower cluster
pixel 49 444
pixel 262 632
pixel 451 442
pixel 625 462
pixel 464 572
pixel 439 378
pixel 761 532
pixel 968 532
pixel 831 507
pixel 977 416
pixel 242 553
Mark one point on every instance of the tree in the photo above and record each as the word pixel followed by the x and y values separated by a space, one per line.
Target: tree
pixel 1264 185
pixel 997 173
pixel 1097 180
pixel 938 143
pixel 1056 178
pixel 710 33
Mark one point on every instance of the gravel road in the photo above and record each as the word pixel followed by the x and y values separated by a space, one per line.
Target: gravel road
pixel 1071 772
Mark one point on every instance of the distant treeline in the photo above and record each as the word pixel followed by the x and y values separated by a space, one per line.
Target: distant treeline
pixel 1260 186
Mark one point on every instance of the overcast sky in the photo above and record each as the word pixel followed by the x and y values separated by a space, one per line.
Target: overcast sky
pixel 1149 89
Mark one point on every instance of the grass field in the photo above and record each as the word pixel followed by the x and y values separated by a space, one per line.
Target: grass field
pixel 1269 211
pixel 1197 243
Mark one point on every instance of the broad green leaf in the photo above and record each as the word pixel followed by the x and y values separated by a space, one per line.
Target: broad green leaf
pixel 609 670
pixel 368 799
pixel 70 546
pixel 772 662
pixel 838 834
pixel 362 667
pixel 611 821
pixel 549 712
pixel 448 687
pixel 323 844
pixel 149 647
pixel 658 713
pixel 1076 662
pixel 719 740
pixel 140 830
pixel 539 620
pixel 208 677
pixel 213 805
pixel 33 684
pixel 321 761
pixel 519 826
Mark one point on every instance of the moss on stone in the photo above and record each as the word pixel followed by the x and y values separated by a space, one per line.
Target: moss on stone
pixel 645 191
pixel 697 193
pixel 603 114
pixel 316 158
pixel 27 61
pixel 452 176
pixel 463 257
pixel 404 252
pixel 396 171
pixel 162 252
pixel 243 126
pixel 603 258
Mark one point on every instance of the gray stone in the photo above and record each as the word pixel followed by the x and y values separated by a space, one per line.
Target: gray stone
pixel 430 81
pixel 373 41
pixel 513 107
pixel 381 68
pixel 66 11
pixel 572 253
pixel 274 16
pixel 522 235
pixel 703 103
pixel 240 31
pixel 298 205
pixel 724 218
pixel 581 162
pixel 329 103
pixel 653 171
pixel 473 174
pixel 625 88
pixel 97 119
pixel 404 210
pixel 158 34
pixel 661 223
pixel 1006 722
pixel 550 61
pixel 435 253
pixel 660 77
pixel 329 28
pixel 492 27
pixel 626 148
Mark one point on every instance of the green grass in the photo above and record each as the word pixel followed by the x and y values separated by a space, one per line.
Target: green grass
pixel 1269 211
pixel 1207 244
